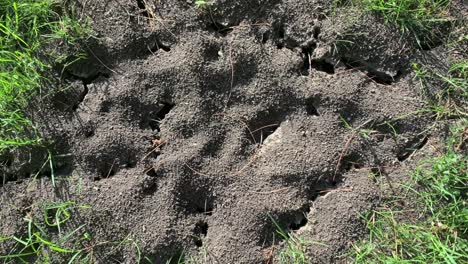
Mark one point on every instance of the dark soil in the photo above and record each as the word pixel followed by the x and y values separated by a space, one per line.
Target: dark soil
pixel 187 128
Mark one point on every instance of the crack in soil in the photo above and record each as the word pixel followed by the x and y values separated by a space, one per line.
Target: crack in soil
pixel 376 76
pixel 411 148
pixel 142 6
pixel 158 45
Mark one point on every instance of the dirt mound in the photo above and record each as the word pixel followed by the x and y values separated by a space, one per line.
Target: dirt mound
pixel 189 127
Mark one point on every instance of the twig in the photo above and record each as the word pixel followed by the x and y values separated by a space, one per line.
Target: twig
pixel 273 191
pixel 100 61
pixel 195 171
pixel 269 256
pixel 345 149
pixel 350 189
pixel 263 127
pixel 246 165
pixel 232 75
pixel 250 131
pixel 153 150
pixel 111 168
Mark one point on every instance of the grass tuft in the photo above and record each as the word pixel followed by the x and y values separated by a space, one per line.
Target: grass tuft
pixel 423 20
pixel 452 97
pixel 26 28
pixel 39 245
pixel 441 185
pixel 419 18
pixel 202 3
pixel 48 239
pixel 295 246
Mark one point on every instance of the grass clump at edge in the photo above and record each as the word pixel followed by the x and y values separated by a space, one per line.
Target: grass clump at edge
pixel 423 20
pixel 419 18
pixel 38 245
pixel 451 100
pixel 294 250
pixel 26 28
pixel 50 238
pixel 441 185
